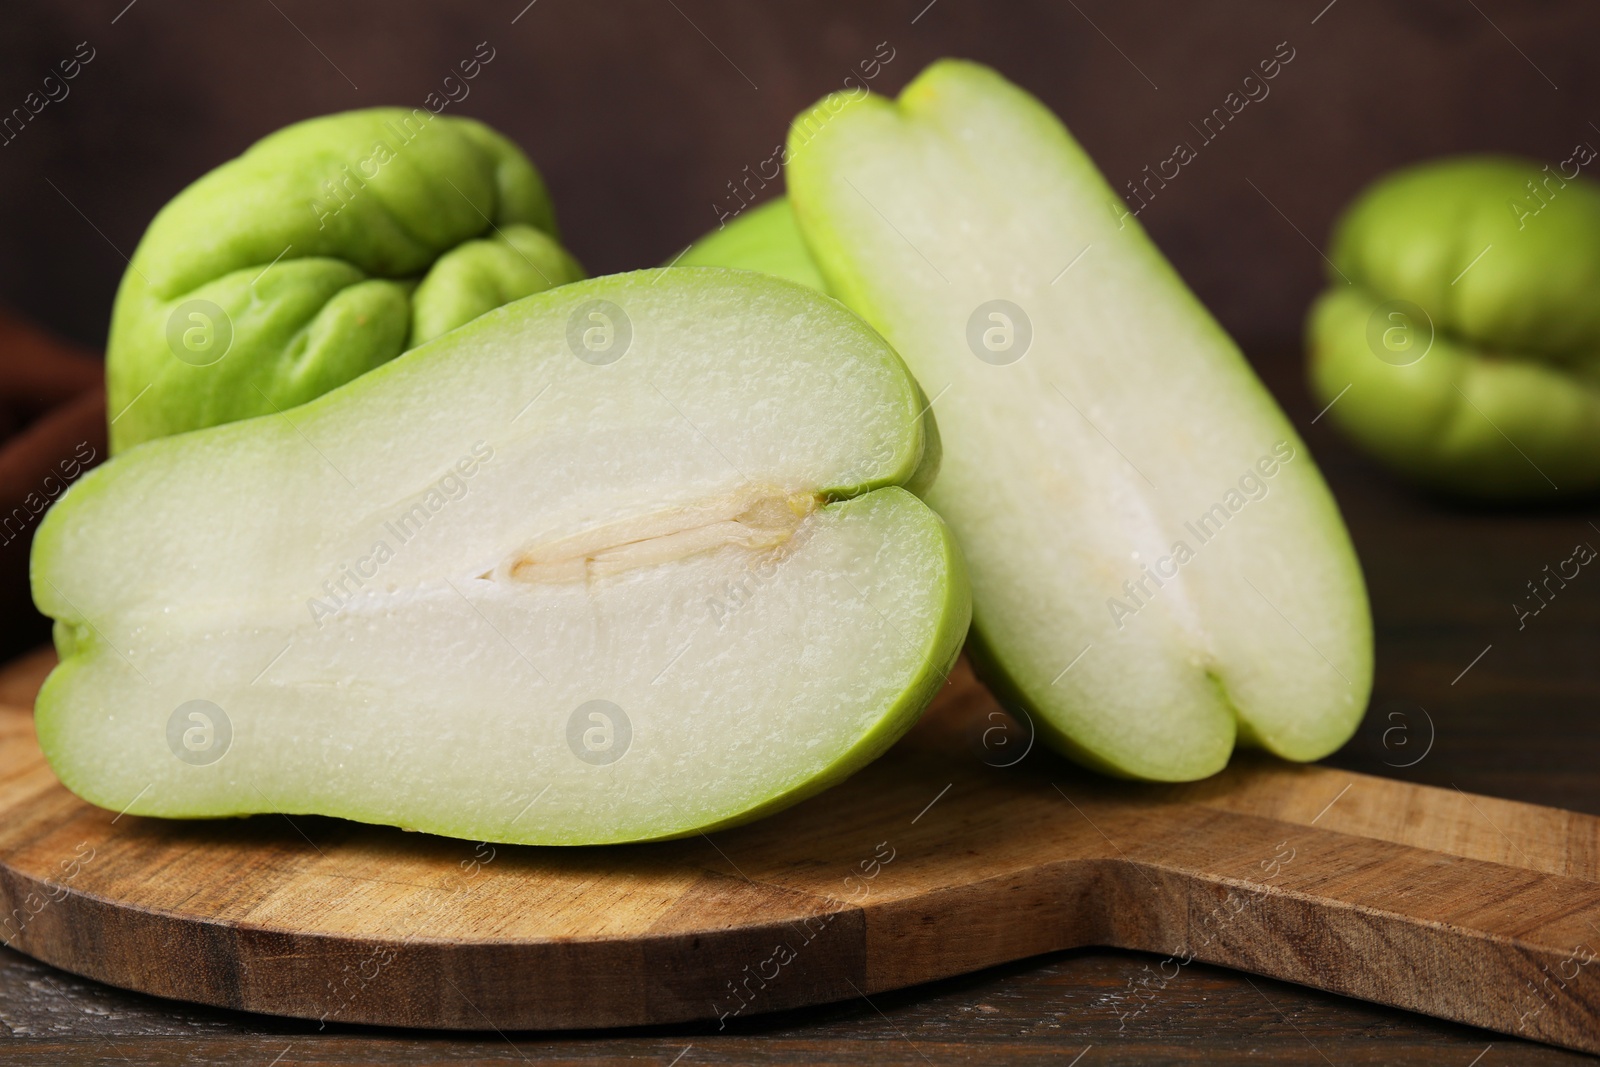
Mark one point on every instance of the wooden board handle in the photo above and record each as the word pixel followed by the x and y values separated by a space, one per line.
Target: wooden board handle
pixel 1469 908
pixel 1485 943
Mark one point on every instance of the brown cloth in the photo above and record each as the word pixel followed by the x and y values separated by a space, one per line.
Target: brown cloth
pixel 52 429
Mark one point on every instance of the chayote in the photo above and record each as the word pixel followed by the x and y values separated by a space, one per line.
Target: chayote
pixel 326 249
pixel 1459 341
pixel 765 239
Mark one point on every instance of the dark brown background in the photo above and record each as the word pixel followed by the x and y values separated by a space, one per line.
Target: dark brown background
pixel 638 121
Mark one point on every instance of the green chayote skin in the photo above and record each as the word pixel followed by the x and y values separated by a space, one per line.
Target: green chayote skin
pixel 764 239
pixel 328 248
pixel 1464 349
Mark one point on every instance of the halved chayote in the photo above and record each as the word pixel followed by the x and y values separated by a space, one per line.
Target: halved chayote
pixel 623 560
pixel 1109 602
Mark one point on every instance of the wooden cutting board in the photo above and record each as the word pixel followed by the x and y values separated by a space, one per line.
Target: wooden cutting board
pixel 962 848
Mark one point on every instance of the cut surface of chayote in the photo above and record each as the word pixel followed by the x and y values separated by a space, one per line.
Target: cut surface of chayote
pixel 622 560
pixel 326 249
pixel 1158 570
pixel 1459 338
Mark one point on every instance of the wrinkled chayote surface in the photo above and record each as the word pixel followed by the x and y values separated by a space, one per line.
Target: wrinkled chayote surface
pixel 1459 340
pixel 326 249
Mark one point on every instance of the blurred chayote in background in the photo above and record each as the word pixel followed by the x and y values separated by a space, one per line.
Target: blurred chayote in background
pixel 1459 340
pixel 328 248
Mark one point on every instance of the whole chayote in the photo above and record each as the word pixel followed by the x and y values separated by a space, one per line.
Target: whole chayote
pixel 326 249
pixel 1459 341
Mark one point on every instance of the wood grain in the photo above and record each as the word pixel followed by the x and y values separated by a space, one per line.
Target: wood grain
pixel 930 863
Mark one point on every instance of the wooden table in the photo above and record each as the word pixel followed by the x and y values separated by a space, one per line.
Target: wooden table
pixel 1510 712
